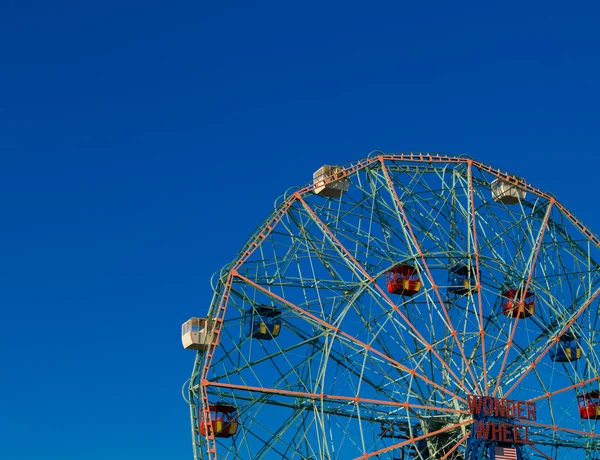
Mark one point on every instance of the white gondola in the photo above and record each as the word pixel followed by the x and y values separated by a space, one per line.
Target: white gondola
pixel 507 193
pixel 196 333
pixel 333 189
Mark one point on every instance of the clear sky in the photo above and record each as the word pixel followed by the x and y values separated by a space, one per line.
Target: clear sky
pixel 142 142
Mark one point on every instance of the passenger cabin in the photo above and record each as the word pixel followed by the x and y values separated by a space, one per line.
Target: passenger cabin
pixel 330 182
pixel 566 349
pixel 504 192
pixel 262 322
pixel 589 405
pixel 462 280
pixel 196 333
pixel 223 419
pixel 403 280
pixel 515 304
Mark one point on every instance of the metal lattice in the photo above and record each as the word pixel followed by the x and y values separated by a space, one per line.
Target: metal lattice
pixel 355 371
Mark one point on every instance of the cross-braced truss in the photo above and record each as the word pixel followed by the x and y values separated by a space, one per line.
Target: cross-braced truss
pixel 356 371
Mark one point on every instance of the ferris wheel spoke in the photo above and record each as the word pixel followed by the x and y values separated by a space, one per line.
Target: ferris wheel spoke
pixel 322 397
pixel 268 444
pixel 311 400
pixel 287 350
pixel 279 441
pixel 499 232
pixel 350 300
pixel 366 347
pixel 538 345
pixel 554 429
pixel 385 227
pixel 530 267
pixel 448 193
pixel 410 234
pixel 473 232
pixel 381 339
pixel 359 267
pixel 547 457
pixel 270 356
pixel 305 338
pixel 277 434
pixel 342 361
pixel 574 386
pixel 548 344
pixel 247 362
pixel 508 230
pixel 528 264
pixel 281 380
pixel 456 445
pixel 502 236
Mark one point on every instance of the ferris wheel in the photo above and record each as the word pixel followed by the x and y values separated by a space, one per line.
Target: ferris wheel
pixel 407 306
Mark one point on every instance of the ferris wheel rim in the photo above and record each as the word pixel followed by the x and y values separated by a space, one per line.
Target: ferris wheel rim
pixel 227 277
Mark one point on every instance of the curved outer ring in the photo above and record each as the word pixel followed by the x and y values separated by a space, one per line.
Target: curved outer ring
pixel 277 214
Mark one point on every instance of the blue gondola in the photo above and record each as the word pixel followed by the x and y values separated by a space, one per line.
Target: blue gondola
pixel 567 349
pixel 262 322
pixel 462 280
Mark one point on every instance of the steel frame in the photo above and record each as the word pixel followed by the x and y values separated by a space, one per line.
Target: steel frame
pixel 351 355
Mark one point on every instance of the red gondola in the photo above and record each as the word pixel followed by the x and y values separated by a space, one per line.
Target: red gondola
pixel 517 305
pixel 589 405
pixel 403 280
pixel 224 420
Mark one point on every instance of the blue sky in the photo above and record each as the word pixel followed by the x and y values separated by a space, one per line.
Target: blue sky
pixel 142 142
